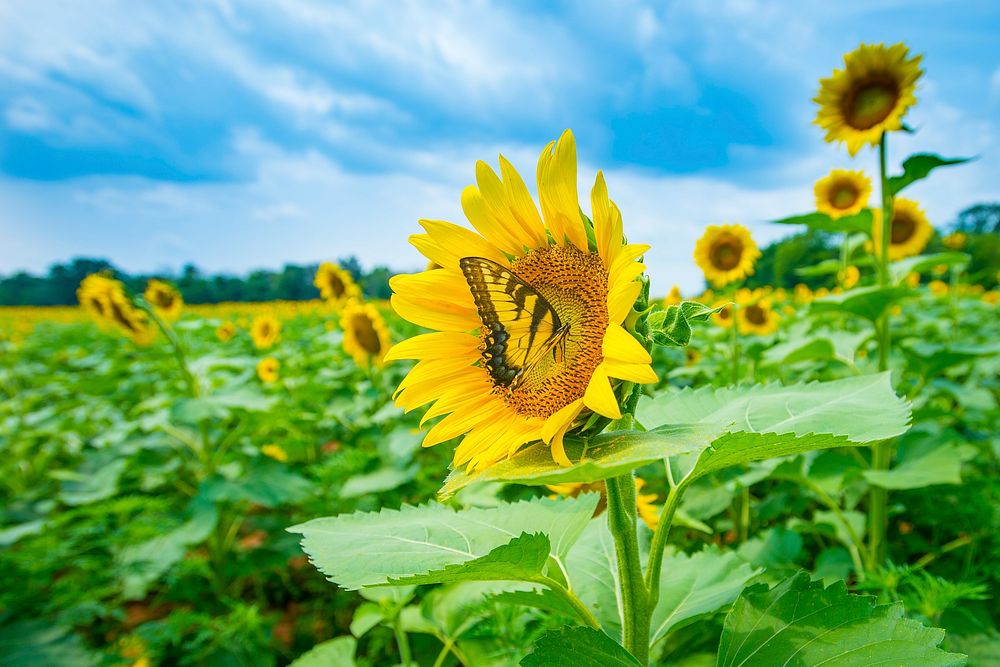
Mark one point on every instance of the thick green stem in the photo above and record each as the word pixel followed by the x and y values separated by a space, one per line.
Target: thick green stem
pixel 881 451
pixel 581 609
pixel 403 642
pixel 635 609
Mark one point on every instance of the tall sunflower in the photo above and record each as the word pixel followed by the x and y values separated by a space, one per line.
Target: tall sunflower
pixel 528 314
pixel 726 253
pixel 265 331
pixel 267 370
pixel 910 229
pixel 366 337
pixel 107 301
pixel 869 96
pixel 755 314
pixel 164 298
pixel 842 192
pixel 335 284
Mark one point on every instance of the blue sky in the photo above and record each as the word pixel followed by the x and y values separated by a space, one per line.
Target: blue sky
pixel 249 134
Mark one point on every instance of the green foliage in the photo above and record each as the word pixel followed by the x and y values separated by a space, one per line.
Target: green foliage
pixel 673 326
pixel 578 647
pixel 919 166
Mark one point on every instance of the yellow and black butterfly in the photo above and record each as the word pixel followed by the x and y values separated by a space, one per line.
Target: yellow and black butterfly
pixel 520 325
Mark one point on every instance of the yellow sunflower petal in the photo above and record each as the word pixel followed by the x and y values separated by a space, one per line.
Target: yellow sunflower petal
pixel 557 192
pixel 622 346
pixel 478 214
pixel 638 373
pixel 599 396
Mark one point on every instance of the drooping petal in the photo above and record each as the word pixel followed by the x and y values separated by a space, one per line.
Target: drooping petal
pixel 599 396
pixel 622 346
pixel 638 373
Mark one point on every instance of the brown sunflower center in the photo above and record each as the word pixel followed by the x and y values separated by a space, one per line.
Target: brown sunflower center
pixel 164 299
pixel 870 102
pixel 726 252
pixel 903 228
pixel 335 285
pixel 725 313
pixel 264 330
pixel 575 285
pixel 365 334
pixel 755 315
pixel 844 195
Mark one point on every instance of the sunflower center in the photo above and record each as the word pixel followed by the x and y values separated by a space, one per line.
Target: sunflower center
pixel 844 196
pixel 725 313
pixel 870 103
pixel 903 228
pixel 575 285
pixel 336 285
pixel 726 252
pixel 366 335
pixel 755 315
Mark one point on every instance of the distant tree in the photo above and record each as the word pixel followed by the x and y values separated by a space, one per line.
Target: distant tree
pixel 980 219
pixel 780 259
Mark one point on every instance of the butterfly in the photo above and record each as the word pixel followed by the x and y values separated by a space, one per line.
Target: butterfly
pixel 521 327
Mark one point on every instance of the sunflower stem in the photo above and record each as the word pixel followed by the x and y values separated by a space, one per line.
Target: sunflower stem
pixel 175 345
pixel 881 451
pixel 655 564
pixel 734 342
pixel 622 523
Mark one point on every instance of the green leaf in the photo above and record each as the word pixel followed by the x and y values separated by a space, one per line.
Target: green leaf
pixel 775 549
pixel 922 463
pixel 366 549
pixel 593 571
pixel 539 598
pixel 918 166
pixel 696 585
pixel 578 647
pixel 596 458
pixel 455 608
pixel 89 487
pixel 672 327
pixel 866 302
pixel 337 652
pixel 904 267
pixel 36 643
pixel 859 222
pixel 383 479
pixel 825 268
pixel 799 622
pixel 521 559
pixel 266 483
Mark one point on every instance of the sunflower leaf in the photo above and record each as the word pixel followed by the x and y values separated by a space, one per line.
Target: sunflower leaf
pixel 799 622
pixel 578 647
pixel 672 327
pixel 521 559
pixel 866 302
pixel 918 166
pixel 338 652
pixel 899 270
pixel 399 546
pixel 859 222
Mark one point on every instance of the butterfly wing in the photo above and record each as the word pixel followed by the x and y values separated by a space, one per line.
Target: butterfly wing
pixel 521 326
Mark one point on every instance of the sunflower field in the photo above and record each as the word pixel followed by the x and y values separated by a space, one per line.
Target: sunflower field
pixel 530 455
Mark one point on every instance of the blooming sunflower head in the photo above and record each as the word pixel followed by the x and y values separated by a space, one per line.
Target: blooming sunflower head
pixel 107 301
pixel 849 276
pixel 755 314
pixel 842 192
pixel 267 369
pixel 910 229
pixel 724 315
pixel 955 240
pixel 335 284
pixel 938 287
pixel 164 298
pixel 265 331
pixel 726 253
pixel 528 312
pixel 366 338
pixel 869 96
pixel 225 331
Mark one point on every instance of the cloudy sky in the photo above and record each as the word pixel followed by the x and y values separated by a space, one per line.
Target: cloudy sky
pixel 239 135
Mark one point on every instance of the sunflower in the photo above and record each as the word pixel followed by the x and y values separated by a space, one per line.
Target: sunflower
pixel 265 331
pixel 955 240
pixel 910 229
pixel 691 356
pixel 755 314
pixel 107 301
pixel 849 276
pixel 913 279
pixel 225 331
pixel 164 298
pixel 938 287
pixel 843 192
pixel 674 298
pixel 869 96
pixel 267 370
pixel 802 294
pixel 644 503
pixel 275 452
pixel 726 253
pixel 366 337
pixel 724 317
pixel 335 284
pixel 581 291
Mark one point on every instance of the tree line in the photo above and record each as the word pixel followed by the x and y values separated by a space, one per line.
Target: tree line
pixel 777 266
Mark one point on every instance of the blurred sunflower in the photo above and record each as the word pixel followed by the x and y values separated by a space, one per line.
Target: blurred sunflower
pixel 164 298
pixel 225 331
pixel 275 452
pixel 107 301
pixel 849 277
pixel 755 314
pixel 726 253
pixel 938 287
pixel 843 192
pixel 644 503
pixel 691 356
pixel 335 284
pixel 910 229
pixel 913 279
pixel 366 337
pixel 955 240
pixel 548 306
pixel 802 294
pixel 869 96
pixel 267 370
pixel 674 298
pixel 265 331
pixel 724 318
